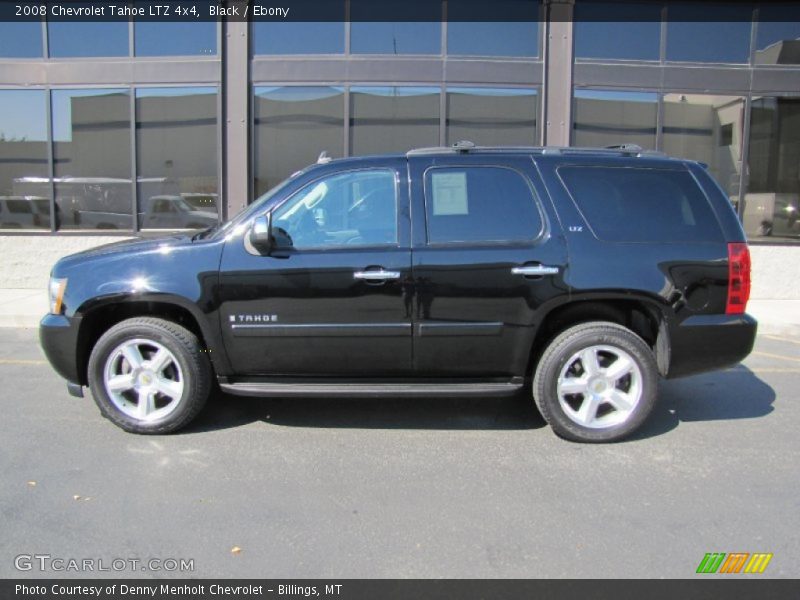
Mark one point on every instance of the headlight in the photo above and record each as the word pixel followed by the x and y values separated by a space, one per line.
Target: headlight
pixel 56 294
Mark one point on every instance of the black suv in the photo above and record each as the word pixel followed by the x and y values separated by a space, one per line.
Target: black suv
pixel 581 275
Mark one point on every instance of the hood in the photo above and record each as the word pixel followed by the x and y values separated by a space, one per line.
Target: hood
pixel 121 249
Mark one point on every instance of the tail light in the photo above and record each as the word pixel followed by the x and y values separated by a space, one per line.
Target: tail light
pixel 738 278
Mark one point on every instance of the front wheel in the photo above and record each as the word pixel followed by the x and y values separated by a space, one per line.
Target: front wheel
pixel 596 382
pixel 149 375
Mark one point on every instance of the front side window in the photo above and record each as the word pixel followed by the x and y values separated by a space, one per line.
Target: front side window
pixel 358 208
pixel 480 204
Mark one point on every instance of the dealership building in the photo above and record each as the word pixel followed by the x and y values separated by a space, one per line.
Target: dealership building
pixel 112 129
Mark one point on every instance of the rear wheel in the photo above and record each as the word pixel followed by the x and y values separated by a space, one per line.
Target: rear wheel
pixel 149 375
pixel 596 382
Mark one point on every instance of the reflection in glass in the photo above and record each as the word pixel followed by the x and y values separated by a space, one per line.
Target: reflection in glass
pixel 492 117
pixel 157 38
pixel 24 188
pixel 76 38
pixel 606 118
pixel 293 125
pixel 358 208
pixel 20 40
pixel 92 158
pixel 707 128
pixel 393 119
pixel 396 38
pixel 469 34
pixel 298 37
pixel 176 131
pixel 778 39
pixel 772 200
pixel 599 35
pixel 692 38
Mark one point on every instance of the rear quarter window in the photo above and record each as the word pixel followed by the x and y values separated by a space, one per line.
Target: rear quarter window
pixel 636 204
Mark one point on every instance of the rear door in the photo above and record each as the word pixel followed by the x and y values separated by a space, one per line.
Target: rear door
pixel 488 257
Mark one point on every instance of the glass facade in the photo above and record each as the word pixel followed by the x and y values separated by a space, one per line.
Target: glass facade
pixel 20 40
pixel 68 39
pixel 393 119
pixel 771 204
pixel 605 118
pixel 492 116
pixel 635 36
pixel 293 125
pixel 136 144
pixel 24 188
pixel 92 158
pixel 176 134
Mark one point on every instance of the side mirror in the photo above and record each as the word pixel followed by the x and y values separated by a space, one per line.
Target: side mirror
pixel 261 233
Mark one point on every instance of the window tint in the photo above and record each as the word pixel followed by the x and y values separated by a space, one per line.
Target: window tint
pixel 479 204
pixel 641 205
pixel 350 209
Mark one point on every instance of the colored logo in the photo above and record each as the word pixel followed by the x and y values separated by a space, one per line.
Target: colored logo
pixel 735 562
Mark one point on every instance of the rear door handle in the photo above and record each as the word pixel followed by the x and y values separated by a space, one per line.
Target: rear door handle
pixel 534 270
pixel 377 275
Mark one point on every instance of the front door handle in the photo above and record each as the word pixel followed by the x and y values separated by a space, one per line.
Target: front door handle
pixel 534 270
pixel 380 275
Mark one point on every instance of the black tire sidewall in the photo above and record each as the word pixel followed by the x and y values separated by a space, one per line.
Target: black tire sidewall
pixel 147 329
pixel 565 346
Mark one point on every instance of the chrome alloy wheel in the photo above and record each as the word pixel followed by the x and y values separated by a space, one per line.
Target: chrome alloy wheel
pixel 599 387
pixel 143 379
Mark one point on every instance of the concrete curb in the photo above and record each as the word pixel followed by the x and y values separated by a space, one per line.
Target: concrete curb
pixel 24 308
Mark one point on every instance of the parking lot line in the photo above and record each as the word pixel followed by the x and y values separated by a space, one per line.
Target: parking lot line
pixel 780 339
pixel 778 356
pixel 19 361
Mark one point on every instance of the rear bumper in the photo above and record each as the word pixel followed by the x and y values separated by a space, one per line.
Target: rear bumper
pixel 58 336
pixel 708 342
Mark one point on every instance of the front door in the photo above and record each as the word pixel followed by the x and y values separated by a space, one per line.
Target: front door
pixel 331 300
pixel 488 256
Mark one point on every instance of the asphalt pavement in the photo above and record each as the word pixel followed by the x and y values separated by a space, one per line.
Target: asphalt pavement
pixel 399 487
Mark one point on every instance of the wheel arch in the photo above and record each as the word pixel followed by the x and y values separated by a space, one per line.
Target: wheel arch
pixel 98 317
pixel 642 315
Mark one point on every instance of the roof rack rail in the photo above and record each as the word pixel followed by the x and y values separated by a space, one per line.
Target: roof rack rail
pixel 467 147
pixel 323 158
pixel 626 148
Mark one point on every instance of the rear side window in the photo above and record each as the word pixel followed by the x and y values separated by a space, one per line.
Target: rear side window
pixel 631 204
pixel 480 204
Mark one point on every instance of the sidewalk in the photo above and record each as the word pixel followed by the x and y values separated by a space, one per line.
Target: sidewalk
pixel 25 308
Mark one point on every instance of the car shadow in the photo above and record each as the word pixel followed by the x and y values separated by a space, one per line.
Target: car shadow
pixel 735 393
pixel 513 413
pixel 723 395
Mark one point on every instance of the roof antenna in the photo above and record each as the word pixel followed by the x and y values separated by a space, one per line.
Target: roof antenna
pixel 323 158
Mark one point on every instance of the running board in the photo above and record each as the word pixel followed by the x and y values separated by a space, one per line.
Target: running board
pixel 372 390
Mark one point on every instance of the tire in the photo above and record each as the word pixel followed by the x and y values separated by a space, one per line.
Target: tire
pixel 160 389
pixel 605 402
